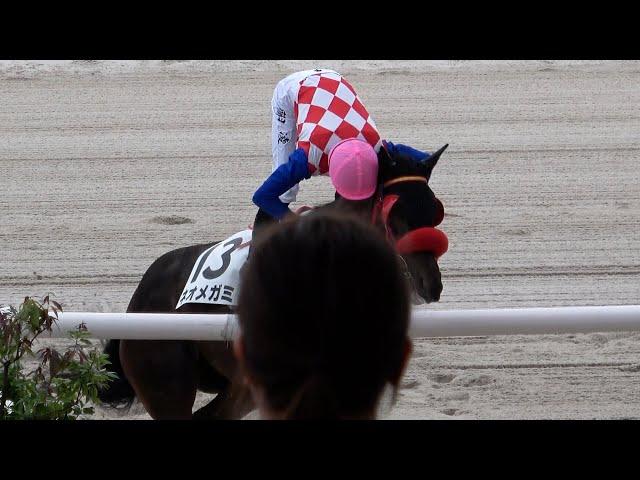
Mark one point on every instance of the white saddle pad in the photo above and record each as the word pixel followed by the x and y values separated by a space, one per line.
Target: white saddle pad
pixel 215 277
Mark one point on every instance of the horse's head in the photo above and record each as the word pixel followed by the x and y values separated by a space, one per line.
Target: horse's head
pixel 410 212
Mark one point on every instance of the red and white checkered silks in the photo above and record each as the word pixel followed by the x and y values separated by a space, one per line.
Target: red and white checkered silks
pixel 328 110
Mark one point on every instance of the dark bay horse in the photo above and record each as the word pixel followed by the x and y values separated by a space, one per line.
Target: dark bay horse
pixel 165 375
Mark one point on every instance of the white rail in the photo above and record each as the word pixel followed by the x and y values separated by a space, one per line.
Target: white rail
pixel 424 323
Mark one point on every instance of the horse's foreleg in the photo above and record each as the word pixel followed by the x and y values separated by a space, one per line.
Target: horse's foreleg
pixel 164 375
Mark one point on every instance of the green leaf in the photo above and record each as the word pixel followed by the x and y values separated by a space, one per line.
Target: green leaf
pixel 72 378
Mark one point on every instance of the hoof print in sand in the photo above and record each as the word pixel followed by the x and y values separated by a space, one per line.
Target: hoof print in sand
pixel 451 411
pixel 441 377
pixel 457 396
pixel 171 220
pixel 473 380
pixel 630 368
pixel 598 338
pixel 410 384
pixel 516 232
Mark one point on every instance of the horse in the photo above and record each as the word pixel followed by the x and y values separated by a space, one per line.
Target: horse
pixel 165 375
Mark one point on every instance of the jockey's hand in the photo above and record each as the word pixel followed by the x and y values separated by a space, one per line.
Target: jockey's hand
pixel 304 208
pixel 288 215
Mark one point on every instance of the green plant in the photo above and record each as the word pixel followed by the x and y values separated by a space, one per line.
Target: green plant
pixel 62 386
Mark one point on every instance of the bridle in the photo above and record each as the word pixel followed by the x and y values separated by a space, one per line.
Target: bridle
pixel 424 239
pixel 408 178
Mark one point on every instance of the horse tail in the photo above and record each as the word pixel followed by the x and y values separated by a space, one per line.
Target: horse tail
pixel 119 390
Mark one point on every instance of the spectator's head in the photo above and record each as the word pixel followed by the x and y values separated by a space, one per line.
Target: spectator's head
pixel 324 313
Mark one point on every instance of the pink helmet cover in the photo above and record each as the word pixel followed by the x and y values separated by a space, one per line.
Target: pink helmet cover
pixel 353 168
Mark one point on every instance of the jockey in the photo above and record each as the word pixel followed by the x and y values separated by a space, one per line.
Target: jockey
pixel 320 126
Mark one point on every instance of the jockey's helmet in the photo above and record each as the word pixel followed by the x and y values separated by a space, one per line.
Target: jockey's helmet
pixel 353 168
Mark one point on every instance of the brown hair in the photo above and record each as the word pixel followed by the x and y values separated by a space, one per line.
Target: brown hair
pixel 324 313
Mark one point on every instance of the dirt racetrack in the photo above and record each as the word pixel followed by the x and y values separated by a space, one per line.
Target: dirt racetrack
pixel 104 166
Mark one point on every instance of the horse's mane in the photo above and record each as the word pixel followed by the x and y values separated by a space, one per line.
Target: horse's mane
pixel 361 208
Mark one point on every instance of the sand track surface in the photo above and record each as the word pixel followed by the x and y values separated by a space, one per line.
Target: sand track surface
pixel 105 166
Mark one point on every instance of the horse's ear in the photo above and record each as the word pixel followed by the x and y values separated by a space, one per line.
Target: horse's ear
pixel 430 162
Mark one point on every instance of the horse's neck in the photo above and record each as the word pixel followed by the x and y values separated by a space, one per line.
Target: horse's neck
pixel 363 210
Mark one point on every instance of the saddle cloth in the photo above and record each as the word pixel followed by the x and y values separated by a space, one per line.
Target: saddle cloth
pixel 215 277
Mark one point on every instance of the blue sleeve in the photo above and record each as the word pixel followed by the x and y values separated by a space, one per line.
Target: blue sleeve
pixel 416 155
pixel 282 179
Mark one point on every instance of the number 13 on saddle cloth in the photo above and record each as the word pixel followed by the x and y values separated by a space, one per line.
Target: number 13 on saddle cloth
pixel 215 277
